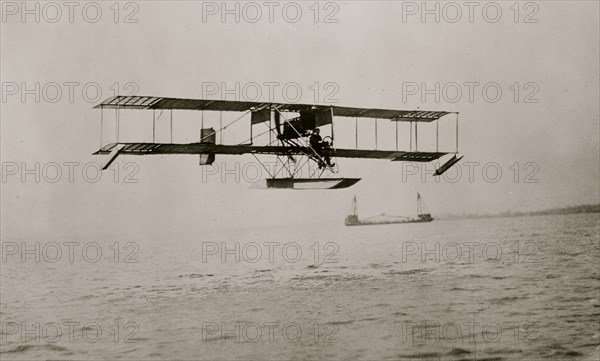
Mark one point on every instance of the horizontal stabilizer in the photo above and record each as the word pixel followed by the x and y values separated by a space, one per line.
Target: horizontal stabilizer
pixel 441 170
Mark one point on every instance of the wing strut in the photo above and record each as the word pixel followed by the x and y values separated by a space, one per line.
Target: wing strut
pixel 101 124
pixel 456 132
pixel 375 133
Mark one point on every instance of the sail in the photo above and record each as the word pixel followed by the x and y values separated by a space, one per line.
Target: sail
pixel 352 217
pixel 353 208
pixel 421 208
pixel 422 211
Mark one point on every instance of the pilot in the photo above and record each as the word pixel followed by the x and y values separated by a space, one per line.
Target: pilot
pixel 321 148
pixel 315 140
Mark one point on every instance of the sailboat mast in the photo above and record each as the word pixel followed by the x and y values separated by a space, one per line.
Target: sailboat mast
pixel 354 208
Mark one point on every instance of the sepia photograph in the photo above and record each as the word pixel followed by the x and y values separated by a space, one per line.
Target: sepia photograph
pixel 300 180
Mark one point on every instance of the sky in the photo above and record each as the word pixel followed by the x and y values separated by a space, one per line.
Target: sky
pixel 524 79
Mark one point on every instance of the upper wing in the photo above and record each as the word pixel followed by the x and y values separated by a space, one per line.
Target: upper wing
pixel 396 115
pixel 209 148
pixel 145 102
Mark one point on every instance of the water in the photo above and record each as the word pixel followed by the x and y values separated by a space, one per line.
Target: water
pixel 494 289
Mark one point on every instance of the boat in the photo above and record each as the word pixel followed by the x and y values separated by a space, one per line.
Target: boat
pixel 423 215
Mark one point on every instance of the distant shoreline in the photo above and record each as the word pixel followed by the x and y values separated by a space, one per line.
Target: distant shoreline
pixel 586 208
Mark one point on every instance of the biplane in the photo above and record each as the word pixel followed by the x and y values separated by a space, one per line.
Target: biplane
pixel 293 137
